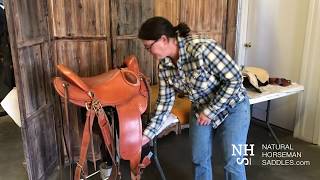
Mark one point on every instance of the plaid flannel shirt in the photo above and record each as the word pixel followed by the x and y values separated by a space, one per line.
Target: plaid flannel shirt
pixel 206 73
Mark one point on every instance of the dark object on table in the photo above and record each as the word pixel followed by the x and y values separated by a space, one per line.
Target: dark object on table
pixel 280 81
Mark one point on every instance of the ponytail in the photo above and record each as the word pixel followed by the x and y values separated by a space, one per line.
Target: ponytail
pixel 182 29
pixel 155 27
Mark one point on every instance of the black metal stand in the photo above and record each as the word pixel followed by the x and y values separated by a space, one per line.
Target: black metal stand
pixel 155 157
pixel 268 122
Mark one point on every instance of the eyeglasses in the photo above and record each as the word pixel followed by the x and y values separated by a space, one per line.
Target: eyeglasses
pixel 149 48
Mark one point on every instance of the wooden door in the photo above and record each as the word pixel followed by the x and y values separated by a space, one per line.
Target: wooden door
pixel 80 38
pixel 127 16
pixel 33 68
pixel 231 27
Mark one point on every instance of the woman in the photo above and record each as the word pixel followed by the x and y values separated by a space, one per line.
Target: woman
pixel 198 67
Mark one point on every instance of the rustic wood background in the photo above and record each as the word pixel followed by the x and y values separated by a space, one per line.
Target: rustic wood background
pixel 90 36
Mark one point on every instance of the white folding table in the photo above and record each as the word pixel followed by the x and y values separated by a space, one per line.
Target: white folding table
pixel 269 93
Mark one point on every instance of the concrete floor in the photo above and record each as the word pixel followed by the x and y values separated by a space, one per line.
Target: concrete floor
pixel 175 156
pixel 11 151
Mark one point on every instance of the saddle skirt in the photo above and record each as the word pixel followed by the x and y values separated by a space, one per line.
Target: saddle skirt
pixel 123 88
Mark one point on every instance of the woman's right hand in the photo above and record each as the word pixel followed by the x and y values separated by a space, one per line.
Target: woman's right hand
pixel 203 120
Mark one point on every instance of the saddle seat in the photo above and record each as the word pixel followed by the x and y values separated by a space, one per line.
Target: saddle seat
pixel 112 88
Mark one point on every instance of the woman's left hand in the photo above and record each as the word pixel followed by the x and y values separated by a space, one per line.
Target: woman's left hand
pixel 145 140
pixel 203 120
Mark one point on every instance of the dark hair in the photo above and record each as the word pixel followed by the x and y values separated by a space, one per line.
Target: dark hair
pixel 155 27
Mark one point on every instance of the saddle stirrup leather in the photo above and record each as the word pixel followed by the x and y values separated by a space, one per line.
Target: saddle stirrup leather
pixel 126 89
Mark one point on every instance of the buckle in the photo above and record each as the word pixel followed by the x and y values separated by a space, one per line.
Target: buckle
pixel 94 104
pixel 81 169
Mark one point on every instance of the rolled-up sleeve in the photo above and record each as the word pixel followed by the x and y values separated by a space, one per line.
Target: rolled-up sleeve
pixel 164 104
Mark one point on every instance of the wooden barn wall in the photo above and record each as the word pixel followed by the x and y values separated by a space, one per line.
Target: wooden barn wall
pixel 80 37
pixel 127 16
pixel 82 29
pixel 169 9
pixel 231 28
pixel 205 17
pixel 28 32
pixel 215 18
pixel 90 37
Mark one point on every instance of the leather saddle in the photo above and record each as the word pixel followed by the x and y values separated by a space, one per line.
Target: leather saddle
pixel 126 89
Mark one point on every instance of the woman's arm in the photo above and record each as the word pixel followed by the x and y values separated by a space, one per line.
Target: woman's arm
pixel 164 104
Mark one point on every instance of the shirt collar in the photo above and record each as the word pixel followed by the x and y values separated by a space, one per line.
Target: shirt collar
pixel 182 50
pixel 182 54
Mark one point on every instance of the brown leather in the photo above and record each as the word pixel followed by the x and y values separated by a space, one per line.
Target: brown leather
pixel 123 88
pixel 122 82
pixel 280 81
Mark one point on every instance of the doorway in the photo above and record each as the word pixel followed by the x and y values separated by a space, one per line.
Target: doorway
pixel 271 36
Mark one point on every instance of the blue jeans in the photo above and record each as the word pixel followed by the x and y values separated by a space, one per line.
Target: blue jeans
pixel 233 130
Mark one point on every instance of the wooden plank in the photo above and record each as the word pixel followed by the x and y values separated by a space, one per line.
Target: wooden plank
pixel 83 38
pixel 30 19
pixel 134 46
pixel 199 15
pixel 224 20
pixel 127 17
pixel 232 14
pixel 48 72
pixel 79 18
pixel 35 41
pixel 155 71
pixel 86 58
pixel 40 148
pixel 33 81
pixel 231 27
pixel 230 43
pixel 205 17
pixel 169 9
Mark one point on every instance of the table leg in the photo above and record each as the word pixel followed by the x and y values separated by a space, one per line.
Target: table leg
pixel 155 156
pixel 269 125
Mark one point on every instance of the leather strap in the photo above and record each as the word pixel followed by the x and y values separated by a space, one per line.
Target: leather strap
pixel 91 144
pixel 67 145
pixel 145 162
pixel 108 141
pixel 84 143
pixel 106 133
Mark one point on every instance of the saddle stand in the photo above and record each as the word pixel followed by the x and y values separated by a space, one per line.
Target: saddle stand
pixel 126 89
